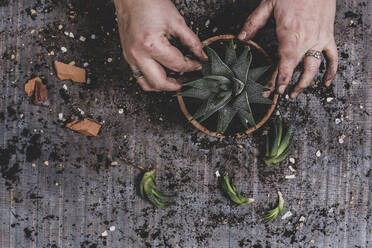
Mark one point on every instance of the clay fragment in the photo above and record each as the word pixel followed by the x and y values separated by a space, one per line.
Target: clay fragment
pixel 37 91
pixel 86 126
pixel 65 72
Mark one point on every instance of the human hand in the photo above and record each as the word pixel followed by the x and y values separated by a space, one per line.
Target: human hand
pixel 301 25
pixel 145 27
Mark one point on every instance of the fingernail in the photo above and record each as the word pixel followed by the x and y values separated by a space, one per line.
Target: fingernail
pixel 204 55
pixel 281 89
pixel 328 83
pixel 242 35
pixel 199 68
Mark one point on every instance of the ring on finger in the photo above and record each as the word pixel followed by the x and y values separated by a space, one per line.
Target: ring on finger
pixel 137 74
pixel 314 53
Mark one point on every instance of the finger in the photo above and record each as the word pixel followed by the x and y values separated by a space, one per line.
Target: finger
pixel 287 64
pixel 256 20
pixel 189 39
pixel 311 68
pixel 172 58
pixel 156 77
pixel 332 63
pixel 142 81
pixel 271 83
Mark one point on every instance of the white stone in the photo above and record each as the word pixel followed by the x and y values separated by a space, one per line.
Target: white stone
pixel 63 49
pixel 121 111
pixel 337 121
pixel 292 160
pixel 291 168
pixel 207 23
pixel 104 234
pixel 82 38
pixel 64 86
pixel 214 30
pixel 71 35
pixel 329 99
pixel 302 219
pixel 109 60
pixel 318 153
pixel 112 228
pixel 218 174
pixel 86 64
pixel 93 36
pixel 287 215
pixel 290 176
pixel 60 116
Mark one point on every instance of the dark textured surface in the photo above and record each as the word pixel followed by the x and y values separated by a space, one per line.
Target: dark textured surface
pixel 79 195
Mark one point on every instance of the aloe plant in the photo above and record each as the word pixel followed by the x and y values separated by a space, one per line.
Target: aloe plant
pixel 230 191
pixel 149 191
pixel 228 87
pixel 273 213
pixel 278 143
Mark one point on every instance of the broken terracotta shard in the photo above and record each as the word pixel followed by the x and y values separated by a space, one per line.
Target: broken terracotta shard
pixel 65 72
pixel 86 126
pixel 37 91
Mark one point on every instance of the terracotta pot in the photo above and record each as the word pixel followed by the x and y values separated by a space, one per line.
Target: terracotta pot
pixel 248 131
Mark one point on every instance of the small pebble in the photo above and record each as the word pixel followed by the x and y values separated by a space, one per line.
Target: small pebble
pixel 33 165
pixel 82 38
pixel 46 163
pixel 93 36
pixel 121 111
pixel 290 176
pixel 60 116
pixel 63 49
pixel 12 56
pixel 292 160
pixel 60 26
pixel 341 139
pixel 112 228
pixel 71 35
pixel 64 86
pixel 104 234
pixel 66 33
pixel 214 30
pixel 291 168
pixel 81 111
pixel 302 219
pixel 337 121
pixel 218 174
pixel 287 215
pixel 114 163
pixel 207 23
pixel 329 99
pixel 318 153
pixel 85 64
pixel 109 60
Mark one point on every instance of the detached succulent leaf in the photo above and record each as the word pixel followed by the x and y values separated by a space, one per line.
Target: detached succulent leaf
pixel 227 87
pixel 149 191
pixel 278 144
pixel 230 191
pixel 273 213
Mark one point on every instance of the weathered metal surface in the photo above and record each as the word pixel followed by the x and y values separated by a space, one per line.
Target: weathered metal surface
pixel 79 195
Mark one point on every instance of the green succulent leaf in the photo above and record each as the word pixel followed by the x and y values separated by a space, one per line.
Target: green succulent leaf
pixel 230 54
pixel 286 141
pixel 195 93
pixel 258 98
pixel 203 83
pixel 225 116
pixel 206 69
pixel 212 105
pixel 278 138
pixel 218 67
pixel 149 191
pixel 242 65
pixel 257 73
pixel 273 213
pixel 230 191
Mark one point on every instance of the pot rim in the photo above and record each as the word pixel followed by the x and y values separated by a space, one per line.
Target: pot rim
pixel 248 131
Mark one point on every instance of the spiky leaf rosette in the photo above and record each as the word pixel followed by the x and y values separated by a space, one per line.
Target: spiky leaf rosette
pixel 149 191
pixel 230 191
pixel 278 143
pixel 228 87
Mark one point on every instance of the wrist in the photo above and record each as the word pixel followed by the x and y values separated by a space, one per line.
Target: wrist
pixel 123 5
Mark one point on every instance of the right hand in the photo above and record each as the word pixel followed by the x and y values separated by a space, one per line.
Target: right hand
pixel 145 27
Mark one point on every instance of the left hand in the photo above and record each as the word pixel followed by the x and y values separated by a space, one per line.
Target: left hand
pixel 301 25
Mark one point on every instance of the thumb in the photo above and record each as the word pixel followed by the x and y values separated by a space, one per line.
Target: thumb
pixel 190 39
pixel 256 20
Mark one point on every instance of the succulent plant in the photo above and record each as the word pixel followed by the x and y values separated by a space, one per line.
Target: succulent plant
pixel 228 87
pixel 149 190
pixel 230 191
pixel 273 213
pixel 278 144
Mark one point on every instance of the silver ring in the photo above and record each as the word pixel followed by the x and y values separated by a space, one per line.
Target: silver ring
pixel 137 74
pixel 314 53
